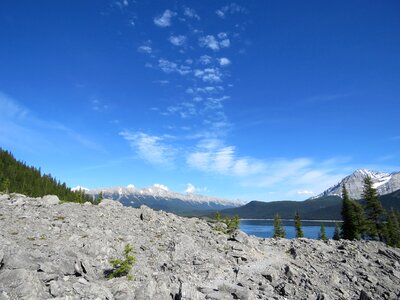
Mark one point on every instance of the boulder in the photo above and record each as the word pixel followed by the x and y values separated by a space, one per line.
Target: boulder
pixel 110 204
pixel 50 200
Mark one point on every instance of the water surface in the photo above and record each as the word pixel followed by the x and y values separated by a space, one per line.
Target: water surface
pixel 265 228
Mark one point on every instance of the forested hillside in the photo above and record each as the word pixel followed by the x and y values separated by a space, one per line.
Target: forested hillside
pixel 17 177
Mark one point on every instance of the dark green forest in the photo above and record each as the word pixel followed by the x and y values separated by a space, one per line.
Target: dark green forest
pixel 18 177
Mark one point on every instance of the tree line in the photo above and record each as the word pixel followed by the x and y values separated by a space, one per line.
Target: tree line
pixel 18 177
pixel 366 219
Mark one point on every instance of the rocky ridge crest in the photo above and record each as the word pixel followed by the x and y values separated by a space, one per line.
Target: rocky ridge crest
pixel 50 250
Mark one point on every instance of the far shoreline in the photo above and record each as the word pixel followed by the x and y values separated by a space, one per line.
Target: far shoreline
pixel 292 220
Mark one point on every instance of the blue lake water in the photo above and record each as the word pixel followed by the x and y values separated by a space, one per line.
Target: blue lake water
pixel 265 228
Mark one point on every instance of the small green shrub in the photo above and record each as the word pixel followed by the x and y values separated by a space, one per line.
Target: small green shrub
pixel 123 267
pixel 232 223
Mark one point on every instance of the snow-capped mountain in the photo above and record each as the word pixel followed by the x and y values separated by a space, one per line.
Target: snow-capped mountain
pixel 385 183
pixel 159 197
pixel 79 188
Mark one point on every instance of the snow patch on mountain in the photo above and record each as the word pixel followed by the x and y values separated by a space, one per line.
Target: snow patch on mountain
pixel 385 183
pixel 79 188
pixel 159 196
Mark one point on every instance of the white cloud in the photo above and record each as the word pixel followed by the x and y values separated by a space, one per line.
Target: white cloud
pixel 150 148
pixel 178 40
pixel 190 189
pixel 184 110
pixel 197 99
pixel 230 9
pixel 223 61
pixel 212 157
pixel 171 67
pixel 11 109
pixel 20 128
pixel 305 192
pixel 222 35
pixel 225 43
pixel 211 75
pixel 162 82
pixel 164 20
pixel 209 41
pixel 145 49
pixel 98 106
pixel 205 59
pixel 191 13
pixel 161 186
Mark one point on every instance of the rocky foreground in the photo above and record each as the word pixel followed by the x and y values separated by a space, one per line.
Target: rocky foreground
pixel 50 250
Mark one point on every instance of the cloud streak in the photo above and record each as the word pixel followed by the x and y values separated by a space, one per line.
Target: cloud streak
pixel 150 148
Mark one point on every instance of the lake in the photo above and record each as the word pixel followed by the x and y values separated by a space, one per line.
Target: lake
pixel 265 228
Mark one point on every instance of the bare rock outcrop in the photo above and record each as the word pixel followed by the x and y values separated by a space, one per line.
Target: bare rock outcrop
pixel 50 250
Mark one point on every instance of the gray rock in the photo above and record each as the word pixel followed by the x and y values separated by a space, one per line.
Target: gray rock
pixel 21 284
pixel 63 251
pixel 365 296
pixel 50 200
pixel 107 203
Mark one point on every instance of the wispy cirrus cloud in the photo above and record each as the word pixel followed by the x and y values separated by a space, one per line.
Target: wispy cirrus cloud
pixel 20 127
pixel 231 8
pixel 191 13
pixel 152 149
pixel 211 156
pixel 145 49
pixel 165 19
pixel 98 105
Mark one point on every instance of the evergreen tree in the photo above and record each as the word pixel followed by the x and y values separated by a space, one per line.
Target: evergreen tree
pixel 392 230
pixel 359 218
pixel 5 186
pixel 322 233
pixel 336 234
pixel 17 177
pixel 100 198
pixel 373 210
pixel 279 231
pixel 349 217
pixel 218 217
pixel 297 225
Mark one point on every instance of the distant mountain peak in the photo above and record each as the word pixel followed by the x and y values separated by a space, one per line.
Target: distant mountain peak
pixel 159 196
pixel 385 183
pixel 79 188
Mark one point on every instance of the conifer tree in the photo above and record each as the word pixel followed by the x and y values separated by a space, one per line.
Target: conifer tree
pixel 373 210
pixel 279 231
pixel 5 186
pixel 101 197
pixel 359 219
pixel 297 225
pixel 349 217
pixel 218 217
pixel 322 233
pixel 392 230
pixel 336 234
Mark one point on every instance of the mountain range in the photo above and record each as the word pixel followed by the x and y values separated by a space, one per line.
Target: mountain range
pixel 385 183
pixel 326 205
pixel 160 198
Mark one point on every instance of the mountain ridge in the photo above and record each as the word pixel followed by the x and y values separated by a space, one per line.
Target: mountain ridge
pixel 385 183
pixel 160 198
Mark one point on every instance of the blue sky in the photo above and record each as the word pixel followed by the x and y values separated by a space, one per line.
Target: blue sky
pixel 265 100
